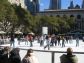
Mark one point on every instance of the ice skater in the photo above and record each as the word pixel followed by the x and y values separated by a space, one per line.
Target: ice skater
pixel 63 42
pixel 77 41
pixel 48 41
pixel 12 41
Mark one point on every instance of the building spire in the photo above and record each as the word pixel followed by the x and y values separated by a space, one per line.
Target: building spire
pixel 83 4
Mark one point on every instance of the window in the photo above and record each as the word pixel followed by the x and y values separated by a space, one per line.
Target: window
pixel 78 16
pixel 71 15
pixel 57 15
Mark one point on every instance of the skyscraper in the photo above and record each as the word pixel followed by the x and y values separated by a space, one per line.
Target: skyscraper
pixel 55 4
pixel 32 5
pixel 36 5
pixel 71 5
pixel 83 4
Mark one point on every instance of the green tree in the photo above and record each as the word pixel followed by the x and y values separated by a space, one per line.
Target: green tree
pixel 23 19
pixel 7 16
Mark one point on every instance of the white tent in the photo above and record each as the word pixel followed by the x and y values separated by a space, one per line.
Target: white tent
pixel 18 32
pixel 31 33
pixel 2 32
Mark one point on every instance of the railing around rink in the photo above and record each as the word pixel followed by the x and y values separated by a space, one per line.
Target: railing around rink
pixel 53 56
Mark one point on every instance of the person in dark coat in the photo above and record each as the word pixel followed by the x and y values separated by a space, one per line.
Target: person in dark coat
pixel 14 56
pixel 12 40
pixel 69 58
pixel 1 54
pixel 58 39
pixel 4 55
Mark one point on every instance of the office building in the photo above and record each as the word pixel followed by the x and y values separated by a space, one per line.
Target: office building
pixel 55 4
pixel 83 4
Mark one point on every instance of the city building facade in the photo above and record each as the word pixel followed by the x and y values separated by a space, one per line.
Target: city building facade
pixel 78 14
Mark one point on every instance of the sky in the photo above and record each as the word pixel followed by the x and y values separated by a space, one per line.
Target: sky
pixel 44 4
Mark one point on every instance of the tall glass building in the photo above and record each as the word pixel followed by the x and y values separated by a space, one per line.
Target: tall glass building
pixel 32 5
pixel 83 4
pixel 55 4
pixel 36 5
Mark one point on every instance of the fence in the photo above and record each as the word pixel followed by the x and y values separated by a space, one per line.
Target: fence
pixel 51 56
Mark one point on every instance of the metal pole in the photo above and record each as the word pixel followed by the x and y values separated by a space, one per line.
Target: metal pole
pixel 52 57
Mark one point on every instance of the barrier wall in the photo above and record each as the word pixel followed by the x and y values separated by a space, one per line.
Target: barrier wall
pixel 51 56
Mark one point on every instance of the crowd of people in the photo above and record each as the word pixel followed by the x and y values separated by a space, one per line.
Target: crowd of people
pixel 8 55
pixel 51 40
pixel 56 40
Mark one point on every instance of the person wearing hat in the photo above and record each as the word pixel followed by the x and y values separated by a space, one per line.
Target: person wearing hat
pixel 30 57
pixel 69 57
